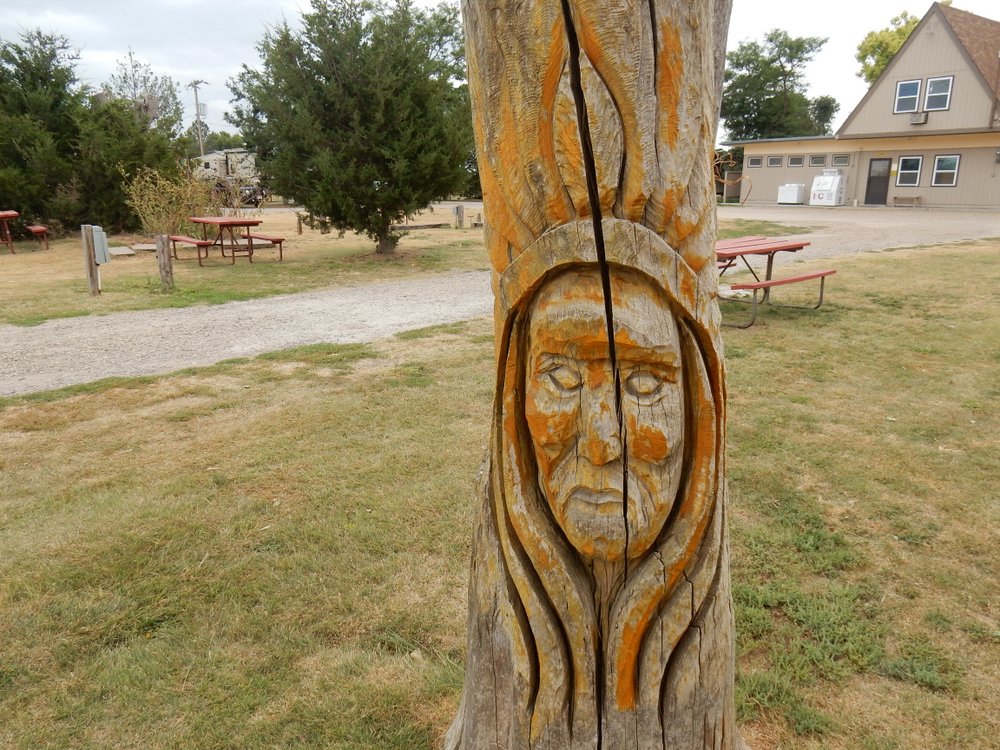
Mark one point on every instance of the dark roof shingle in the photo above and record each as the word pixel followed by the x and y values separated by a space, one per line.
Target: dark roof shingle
pixel 981 39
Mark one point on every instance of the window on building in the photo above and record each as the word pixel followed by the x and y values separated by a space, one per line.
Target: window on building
pixel 907 96
pixel 796 161
pixel 755 161
pixel 908 173
pixel 945 171
pixel 938 93
pixel 841 160
pixel 817 160
pixel 774 161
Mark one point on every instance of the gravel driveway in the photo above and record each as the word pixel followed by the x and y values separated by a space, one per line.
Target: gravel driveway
pixel 78 350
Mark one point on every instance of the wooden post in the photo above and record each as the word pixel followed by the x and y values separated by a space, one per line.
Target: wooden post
pixel 460 216
pixel 89 259
pixel 164 260
pixel 299 217
pixel 600 612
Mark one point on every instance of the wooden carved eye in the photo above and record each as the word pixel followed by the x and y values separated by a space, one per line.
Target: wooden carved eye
pixel 565 378
pixel 643 384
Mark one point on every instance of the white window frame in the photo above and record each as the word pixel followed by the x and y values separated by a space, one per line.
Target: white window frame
pixel 755 162
pixel 934 174
pixel 844 160
pixel 780 160
pixel 928 94
pixel 817 160
pixel 900 171
pixel 796 161
pixel 915 97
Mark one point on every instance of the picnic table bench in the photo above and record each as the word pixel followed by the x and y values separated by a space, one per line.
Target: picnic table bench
pixel 199 245
pixel 5 236
pixel 766 285
pixel 266 238
pixel 40 233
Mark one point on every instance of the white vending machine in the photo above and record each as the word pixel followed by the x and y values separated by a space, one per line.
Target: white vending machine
pixel 828 189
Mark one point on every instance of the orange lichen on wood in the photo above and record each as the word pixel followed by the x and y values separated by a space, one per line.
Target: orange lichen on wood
pixel 651 443
pixel 560 208
pixel 670 73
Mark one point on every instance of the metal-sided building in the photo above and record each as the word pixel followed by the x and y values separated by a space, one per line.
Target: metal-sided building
pixel 927 132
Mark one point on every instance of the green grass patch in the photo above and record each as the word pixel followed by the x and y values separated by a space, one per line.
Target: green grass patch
pixel 921 662
pixel 431 331
pixel 729 228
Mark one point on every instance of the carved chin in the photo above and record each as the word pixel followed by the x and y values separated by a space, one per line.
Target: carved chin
pixel 594 523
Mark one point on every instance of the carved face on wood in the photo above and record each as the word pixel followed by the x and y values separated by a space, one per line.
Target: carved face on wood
pixel 582 459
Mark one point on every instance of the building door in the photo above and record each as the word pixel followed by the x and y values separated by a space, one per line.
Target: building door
pixel 877 192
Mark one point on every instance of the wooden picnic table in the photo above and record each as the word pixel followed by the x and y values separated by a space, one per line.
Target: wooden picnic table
pixel 728 255
pixel 5 235
pixel 728 252
pixel 228 225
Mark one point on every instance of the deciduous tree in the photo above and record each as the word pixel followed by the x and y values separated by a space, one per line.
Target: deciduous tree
pixel 359 116
pixel 765 94
pixel 154 99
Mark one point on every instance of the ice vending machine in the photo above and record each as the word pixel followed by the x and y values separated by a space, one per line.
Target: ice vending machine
pixel 828 189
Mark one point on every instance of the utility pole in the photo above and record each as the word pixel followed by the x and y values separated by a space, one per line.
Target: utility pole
pixel 197 113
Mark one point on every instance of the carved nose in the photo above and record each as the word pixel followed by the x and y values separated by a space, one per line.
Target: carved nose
pixel 600 441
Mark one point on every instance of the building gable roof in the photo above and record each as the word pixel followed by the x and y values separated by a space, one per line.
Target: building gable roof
pixel 981 39
pixel 977 37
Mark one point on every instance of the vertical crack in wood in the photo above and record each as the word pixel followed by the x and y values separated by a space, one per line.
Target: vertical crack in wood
pixel 593 195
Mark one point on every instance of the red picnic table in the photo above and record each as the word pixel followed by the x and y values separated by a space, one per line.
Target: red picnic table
pixel 5 236
pixel 229 225
pixel 728 252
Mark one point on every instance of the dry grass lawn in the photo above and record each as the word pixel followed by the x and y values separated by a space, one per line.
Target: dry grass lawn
pixel 272 552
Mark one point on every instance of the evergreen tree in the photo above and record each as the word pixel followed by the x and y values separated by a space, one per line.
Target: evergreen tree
pixel 764 94
pixel 64 153
pixel 360 116
pixel 40 108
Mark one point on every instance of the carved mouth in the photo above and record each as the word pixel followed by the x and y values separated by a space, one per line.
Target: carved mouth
pixel 597 497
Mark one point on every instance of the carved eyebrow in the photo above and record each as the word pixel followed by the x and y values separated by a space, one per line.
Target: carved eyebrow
pixel 666 355
pixel 663 356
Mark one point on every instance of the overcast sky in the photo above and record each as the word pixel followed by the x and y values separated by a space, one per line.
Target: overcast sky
pixel 208 40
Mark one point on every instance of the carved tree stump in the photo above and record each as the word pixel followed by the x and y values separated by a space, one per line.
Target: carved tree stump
pixel 600 612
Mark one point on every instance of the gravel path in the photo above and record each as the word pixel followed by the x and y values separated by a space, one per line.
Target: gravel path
pixel 78 350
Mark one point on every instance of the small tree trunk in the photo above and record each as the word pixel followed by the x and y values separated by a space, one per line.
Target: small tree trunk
pixel 386 244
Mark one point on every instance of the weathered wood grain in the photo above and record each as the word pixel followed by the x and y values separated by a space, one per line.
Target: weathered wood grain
pixel 600 611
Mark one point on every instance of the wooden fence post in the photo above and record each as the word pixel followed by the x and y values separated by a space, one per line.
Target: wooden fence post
pixel 165 262
pixel 90 260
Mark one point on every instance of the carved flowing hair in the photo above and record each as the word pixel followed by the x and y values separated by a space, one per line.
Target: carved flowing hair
pixel 540 673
